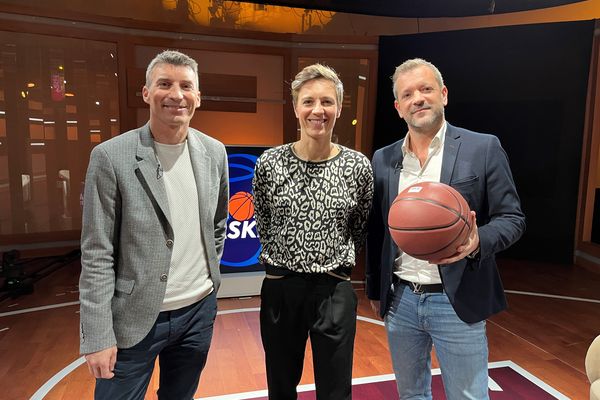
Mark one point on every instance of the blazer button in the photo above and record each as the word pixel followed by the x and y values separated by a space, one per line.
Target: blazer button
pixel 169 243
pixel 163 277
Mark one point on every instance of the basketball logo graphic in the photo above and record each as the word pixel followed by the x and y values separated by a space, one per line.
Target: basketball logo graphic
pixel 242 246
pixel 241 206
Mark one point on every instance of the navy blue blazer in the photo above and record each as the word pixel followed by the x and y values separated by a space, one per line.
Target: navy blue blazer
pixel 476 165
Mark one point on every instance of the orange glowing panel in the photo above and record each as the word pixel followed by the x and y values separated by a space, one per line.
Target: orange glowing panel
pixel 49 132
pixel 36 131
pixel 72 132
pixel 169 4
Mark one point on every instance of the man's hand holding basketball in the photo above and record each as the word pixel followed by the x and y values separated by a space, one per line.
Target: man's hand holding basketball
pixel 467 248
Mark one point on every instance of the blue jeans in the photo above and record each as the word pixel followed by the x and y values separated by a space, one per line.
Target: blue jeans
pixel 413 323
pixel 180 339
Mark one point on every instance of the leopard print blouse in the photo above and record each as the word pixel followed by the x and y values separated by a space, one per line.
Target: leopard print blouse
pixel 311 216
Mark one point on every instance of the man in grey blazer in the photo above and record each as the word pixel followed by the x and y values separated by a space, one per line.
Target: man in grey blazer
pixel 154 214
pixel 445 302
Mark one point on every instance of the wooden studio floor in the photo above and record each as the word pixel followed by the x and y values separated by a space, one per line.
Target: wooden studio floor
pixel 546 335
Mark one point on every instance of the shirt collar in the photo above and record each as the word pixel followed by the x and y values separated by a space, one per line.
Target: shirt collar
pixel 436 142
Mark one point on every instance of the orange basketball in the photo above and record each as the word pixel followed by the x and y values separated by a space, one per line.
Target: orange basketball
pixel 241 206
pixel 429 220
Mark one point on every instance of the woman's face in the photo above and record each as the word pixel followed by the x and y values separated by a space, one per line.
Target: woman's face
pixel 317 108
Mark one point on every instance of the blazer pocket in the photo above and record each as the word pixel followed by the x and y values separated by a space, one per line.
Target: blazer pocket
pixel 124 285
pixel 463 182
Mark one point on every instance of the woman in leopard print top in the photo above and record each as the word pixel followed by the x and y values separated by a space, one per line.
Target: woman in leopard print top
pixel 312 200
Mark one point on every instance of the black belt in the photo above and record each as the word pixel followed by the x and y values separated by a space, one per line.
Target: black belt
pixel 419 288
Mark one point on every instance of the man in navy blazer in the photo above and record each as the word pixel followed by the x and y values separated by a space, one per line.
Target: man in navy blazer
pixel 445 302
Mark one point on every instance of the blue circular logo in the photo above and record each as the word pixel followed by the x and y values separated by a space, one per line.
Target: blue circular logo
pixel 242 245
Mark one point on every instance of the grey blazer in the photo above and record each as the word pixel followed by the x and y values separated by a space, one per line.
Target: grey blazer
pixel 127 238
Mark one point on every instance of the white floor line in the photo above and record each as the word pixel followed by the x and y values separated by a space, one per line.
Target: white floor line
pixel 371 320
pixel 390 377
pixel 552 296
pixel 532 378
pixel 50 383
pixel 238 310
pixel 72 303
pixel 41 308
pixel 46 387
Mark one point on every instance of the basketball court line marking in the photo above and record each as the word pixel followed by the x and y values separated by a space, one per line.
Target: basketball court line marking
pixel 370 320
pixel 388 377
pixel 50 383
pixel 552 296
pixel 41 308
pixel 72 303
pixel 532 378
pixel 238 310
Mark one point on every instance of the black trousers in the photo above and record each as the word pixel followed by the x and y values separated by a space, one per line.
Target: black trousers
pixel 295 307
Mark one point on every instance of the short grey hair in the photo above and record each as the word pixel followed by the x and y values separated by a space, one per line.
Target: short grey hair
pixel 172 57
pixel 411 64
pixel 317 71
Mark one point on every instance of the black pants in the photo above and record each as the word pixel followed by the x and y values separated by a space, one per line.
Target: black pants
pixel 299 305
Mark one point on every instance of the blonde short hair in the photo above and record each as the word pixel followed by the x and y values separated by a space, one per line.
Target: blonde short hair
pixel 317 71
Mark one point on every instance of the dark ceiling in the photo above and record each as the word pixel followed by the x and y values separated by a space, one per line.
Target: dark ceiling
pixel 420 8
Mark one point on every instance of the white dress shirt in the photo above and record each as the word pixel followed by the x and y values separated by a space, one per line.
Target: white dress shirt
pixel 405 266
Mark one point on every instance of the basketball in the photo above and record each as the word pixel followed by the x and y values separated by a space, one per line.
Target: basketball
pixel 429 220
pixel 241 206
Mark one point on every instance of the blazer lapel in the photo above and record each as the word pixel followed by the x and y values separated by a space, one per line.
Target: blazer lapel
pixel 395 167
pixel 202 168
pixel 451 146
pixel 147 163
